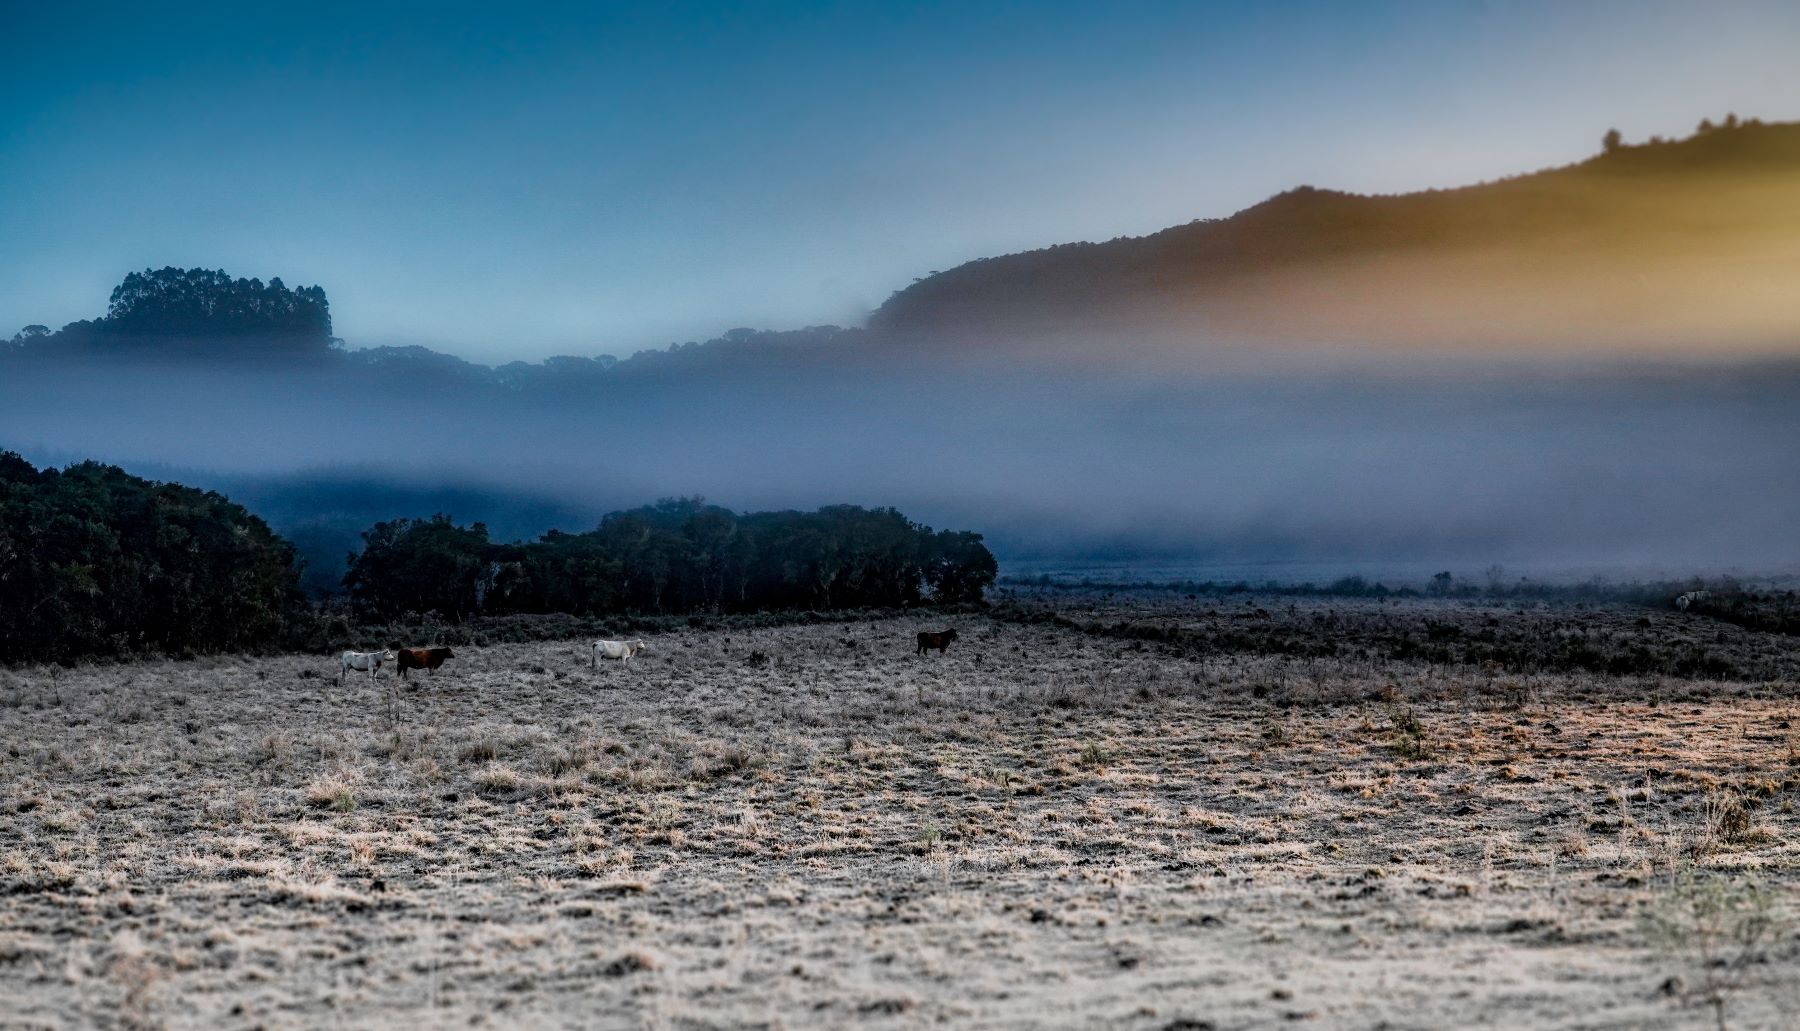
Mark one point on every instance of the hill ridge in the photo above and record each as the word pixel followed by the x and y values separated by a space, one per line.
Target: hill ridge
pixel 1661 207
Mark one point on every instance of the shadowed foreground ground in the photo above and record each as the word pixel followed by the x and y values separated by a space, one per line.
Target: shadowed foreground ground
pixel 1042 827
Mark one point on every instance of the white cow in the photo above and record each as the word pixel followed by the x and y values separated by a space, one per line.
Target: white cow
pixel 621 650
pixel 1691 597
pixel 370 661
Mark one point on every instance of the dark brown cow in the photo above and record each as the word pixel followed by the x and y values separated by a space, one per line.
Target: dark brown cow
pixel 939 639
pixel 421 658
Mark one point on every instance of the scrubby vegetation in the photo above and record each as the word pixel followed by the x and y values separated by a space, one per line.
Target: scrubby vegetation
pixel 1617 630
pixel 1775 612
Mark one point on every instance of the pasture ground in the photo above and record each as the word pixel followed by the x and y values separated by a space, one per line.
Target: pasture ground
pixel 1044 827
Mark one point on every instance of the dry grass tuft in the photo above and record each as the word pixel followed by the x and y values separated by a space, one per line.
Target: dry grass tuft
pixel 335 791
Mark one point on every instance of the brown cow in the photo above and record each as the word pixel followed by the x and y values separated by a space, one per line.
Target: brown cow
pixel 428 659
pixel 939 639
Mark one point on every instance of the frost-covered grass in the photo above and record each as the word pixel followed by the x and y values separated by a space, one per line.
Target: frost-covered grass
pixel 1042 827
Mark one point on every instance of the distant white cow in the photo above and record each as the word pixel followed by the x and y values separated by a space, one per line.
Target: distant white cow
pixel 1690 598
pixel 621 650
pixel 370 661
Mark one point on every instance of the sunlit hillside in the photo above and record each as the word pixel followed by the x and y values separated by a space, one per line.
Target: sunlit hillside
pixel 1692 243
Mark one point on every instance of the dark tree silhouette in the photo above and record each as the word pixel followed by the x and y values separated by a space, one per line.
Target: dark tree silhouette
pixel 676 556
pixel 201 313
pixel 418 565
pixel 202 302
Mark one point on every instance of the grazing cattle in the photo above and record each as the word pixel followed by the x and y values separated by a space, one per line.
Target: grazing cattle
pixel 421 658
pixel 1691 597
pixel 939 639
pixel 621 650
pixel 370 661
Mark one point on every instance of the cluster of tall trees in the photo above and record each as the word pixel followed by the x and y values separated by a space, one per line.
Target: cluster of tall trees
pixel 197 301
pixel 96 561
pixel 676 556
pixel 200 311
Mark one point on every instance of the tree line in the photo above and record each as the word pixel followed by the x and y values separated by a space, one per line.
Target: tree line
pixel 676 556
pixel 96 562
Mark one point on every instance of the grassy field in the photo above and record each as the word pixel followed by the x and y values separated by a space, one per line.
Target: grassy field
pixel 1067 820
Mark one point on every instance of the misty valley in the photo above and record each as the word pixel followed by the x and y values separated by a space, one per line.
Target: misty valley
pixel 1362 610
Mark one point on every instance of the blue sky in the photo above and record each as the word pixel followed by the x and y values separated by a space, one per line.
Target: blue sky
pixel 513 181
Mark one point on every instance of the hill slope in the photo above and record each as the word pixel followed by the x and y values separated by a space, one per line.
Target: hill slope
pixel 1690 241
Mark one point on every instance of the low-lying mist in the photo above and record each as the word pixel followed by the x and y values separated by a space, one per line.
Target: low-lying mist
pixel 1683 469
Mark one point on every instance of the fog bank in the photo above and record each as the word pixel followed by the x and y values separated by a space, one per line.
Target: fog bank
pixel 1673 467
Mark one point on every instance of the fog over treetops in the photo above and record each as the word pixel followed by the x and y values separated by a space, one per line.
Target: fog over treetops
pixel 1596 366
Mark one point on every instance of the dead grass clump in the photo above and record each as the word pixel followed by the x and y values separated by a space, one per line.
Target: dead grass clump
pixel 482 751
pixel 317 892
pixel 1730 821
pixel 62 821
pixel 334 791
pixel 273 748
pixel 498 779
pixel 719 759
pixel 634 962
pixel 575 758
